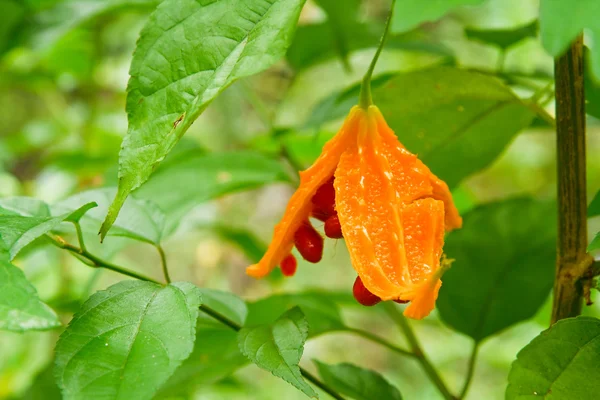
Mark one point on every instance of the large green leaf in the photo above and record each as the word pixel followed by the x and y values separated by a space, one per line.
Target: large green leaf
pixel 20 307
pixel 562 20
pixel 188 53
pixel 444 114
pixel 127 340
pixel 193 179
pixel 278 347
pixel 322 314
pixel 356 382
pixel 561 363
pixel 17 231
pixel 504 268
pixel 409 14
pixel 503 38
pixel 139 219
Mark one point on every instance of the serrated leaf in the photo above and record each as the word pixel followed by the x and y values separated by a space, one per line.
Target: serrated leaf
pixel 561 363
pixel 322 314
pixel 139 219
pixel 503 38
pixel 17 231
pixel 126 341
pixel 446 114
pixel 226 304
pixel 562 20
pixel 504 269
pixel 595 243
pixel 20 306
pixel 278 347
pixel 194 179
pixel 185 57
pixel 409 14
pixel 594 207
pixel 356 382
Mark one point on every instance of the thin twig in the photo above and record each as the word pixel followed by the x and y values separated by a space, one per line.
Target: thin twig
pixel 163 263
pixel 430 370
pixel 470 370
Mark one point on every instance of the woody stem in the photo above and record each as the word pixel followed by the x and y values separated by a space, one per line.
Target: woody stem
pixel 573 262
pixel 366 99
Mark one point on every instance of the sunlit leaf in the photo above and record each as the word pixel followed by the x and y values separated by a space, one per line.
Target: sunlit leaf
pixel 25 206
pixel 322 314
pixel 357 383
pixel 17 231
pixel 561 363
pixel 126 341
pixel 20 307
pixel 503 38
pixel 504 269
pixel 409 14
pixel 185 57
pixel 278 347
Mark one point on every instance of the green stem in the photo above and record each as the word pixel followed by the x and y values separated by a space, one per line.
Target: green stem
pixel 95 261
pixel 378 340
pixel 237 327
pixel 430 370
pixel 163 263
pixel 470 370
pixel 366 98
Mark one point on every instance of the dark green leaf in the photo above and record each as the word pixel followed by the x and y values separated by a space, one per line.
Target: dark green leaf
pixel 409 14
pixel 562 20
pixel 127 340
pixel 322 314
pixel 561 363
pixel 278 347
pixel 595 244
pixel 252 247
pixel 594 207
pixel 504 268
pixel 226 304
pixel 185 57
pixel 17 231
pixel 358 383
pixel 194 179
pixel 20 307
pixel 503 38
pixel 11 21
pixel 139 219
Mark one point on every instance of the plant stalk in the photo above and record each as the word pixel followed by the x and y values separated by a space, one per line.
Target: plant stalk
pixel 572 262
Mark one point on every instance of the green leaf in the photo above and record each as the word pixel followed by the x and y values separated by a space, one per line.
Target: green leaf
pixel 25 206
pixel 409 14
pixel 322 314
pixel 504 269
pixel 11 22
pixel 225 303
pixel 278 347
pixel 20 307
pixel 562 20
pixel 445 114
pixel 249 244
pixel 561 363
pixel 503 38
pixel 594 207
pixel 127 340
pixel 17 231
pixel 194 179
pixel 595 244
pixel 592 87
pixel 358 383
pixel 139 219
pixel 185 57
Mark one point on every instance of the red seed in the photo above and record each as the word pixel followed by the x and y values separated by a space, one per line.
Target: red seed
pixel 288 265
pixel 362 294
pixel 333 229
pixel 324 201
pixel 309 243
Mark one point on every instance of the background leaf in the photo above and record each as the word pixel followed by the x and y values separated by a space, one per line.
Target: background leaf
pixel 168 89
pixel 358 383
pixel 20 307
pixel 561 363
pixel 504 268
pixel 226 304
pixel 408 14
pixel 594 207
pixel 127 340
pixel 503 38
pixel 278 348
pixel 595 243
